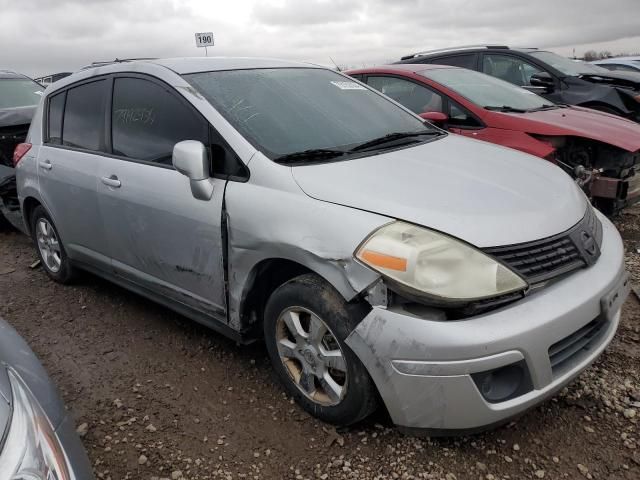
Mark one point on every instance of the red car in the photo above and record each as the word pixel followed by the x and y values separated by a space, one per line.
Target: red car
pixel 601 151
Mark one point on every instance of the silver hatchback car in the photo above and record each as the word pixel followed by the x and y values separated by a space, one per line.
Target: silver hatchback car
pixel 378 256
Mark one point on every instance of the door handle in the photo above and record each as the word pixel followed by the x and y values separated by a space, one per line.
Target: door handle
pixel 46 165
pixel 111 181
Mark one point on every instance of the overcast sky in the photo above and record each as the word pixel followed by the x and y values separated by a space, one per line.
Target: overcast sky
pixel 45 36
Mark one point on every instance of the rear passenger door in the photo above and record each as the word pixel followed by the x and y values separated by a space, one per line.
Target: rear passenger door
pixel 160 237
pixel 68 165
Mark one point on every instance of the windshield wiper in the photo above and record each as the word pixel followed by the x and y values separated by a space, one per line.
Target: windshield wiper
pixel 505 108
pixel 545 107
pixel 312 154
pixel 392 137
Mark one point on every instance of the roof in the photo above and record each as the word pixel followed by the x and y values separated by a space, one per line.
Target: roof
pixel 617 59
pixel 400 67
pixel 10 74
pixel 184 65
pixel 466 48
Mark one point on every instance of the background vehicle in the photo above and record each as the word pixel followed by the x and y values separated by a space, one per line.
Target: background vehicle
pixel 621 64
pixel 19 96
pixel 287 201
pixel 49 79
pixel 38 439
pixel 556 78
pixel 601 151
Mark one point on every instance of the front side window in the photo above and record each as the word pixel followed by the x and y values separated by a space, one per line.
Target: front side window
pixel 508 68
pixel 147 121
pixel 485 91
pixel 415 97
pixel 288 110
pixel 83 125
pixel 19 92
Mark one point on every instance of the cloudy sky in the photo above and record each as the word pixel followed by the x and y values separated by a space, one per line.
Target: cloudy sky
pixel 44 36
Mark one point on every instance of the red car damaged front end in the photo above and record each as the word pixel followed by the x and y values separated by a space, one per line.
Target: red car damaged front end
pixel 600 151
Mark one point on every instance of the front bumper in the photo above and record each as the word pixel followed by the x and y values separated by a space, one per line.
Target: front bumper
pixel 422 366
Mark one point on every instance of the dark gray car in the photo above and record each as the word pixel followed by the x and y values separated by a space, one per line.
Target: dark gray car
pixel 19 96
pixel 38 440
pixel 559 79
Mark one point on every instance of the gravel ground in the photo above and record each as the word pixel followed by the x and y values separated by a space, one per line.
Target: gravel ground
pixel 156 396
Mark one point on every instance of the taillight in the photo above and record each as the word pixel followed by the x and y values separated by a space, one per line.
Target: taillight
pixel 19 152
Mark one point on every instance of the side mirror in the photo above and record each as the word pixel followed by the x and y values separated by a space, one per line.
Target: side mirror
pixel 191 160
pixel 544 80
pixel 434 117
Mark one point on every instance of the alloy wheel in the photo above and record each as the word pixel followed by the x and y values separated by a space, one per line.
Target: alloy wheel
pixel 312 356
pixel 48 245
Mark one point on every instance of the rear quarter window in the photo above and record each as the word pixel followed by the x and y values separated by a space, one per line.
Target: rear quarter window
pixel 54 119
pixel 462 61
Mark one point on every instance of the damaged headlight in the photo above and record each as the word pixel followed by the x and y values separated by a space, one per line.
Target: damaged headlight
pixel 428 263
pixel 31 449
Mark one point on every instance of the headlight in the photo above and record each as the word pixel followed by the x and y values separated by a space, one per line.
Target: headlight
pixel 443 268
pixel 31 449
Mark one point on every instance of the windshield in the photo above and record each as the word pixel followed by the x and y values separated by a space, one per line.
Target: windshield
pixel 567 66
pixel 486 91
pixel 287 110
pixel 19 92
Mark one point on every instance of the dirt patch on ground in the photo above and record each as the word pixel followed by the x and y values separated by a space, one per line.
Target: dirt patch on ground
pixel 164 398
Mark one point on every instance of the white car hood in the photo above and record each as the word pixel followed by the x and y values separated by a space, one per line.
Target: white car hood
pixel 481 193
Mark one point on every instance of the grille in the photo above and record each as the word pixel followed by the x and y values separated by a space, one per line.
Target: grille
pixel 574 346
pixel 543 260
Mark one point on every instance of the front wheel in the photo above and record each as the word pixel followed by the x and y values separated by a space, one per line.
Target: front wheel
pixel 306 323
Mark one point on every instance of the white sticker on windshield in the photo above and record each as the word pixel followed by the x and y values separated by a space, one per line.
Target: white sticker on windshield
pixel 348 85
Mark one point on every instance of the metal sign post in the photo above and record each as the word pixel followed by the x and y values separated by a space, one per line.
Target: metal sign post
pixel 204 39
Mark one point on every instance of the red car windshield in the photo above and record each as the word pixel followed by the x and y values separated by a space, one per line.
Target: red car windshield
pixel 486 91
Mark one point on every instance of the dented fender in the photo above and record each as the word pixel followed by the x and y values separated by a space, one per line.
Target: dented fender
pixel 269 217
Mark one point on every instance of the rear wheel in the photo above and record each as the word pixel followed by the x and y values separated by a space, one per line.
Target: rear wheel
pixel 50 249
pixel 306 324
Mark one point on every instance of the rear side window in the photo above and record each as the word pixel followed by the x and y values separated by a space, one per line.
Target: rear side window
pixel 415 97
pixel 147 121
pixel 83 125
pixel 463 61
pixel 56 109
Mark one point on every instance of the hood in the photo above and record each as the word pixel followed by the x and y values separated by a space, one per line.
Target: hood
pixel 629 79
pixel 574 121
pixel 16 116
pixel 481 193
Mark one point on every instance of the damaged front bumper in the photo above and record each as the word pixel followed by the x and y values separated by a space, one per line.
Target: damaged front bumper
pixel 459 376
pixel 625 191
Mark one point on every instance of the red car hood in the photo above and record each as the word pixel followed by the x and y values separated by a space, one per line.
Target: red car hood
pixel 574 121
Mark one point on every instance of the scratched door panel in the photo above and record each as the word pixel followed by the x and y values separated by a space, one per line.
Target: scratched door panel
pixel 162 238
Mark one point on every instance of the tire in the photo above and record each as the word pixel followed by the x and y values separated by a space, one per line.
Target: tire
pixel 320 371
pixel 51 252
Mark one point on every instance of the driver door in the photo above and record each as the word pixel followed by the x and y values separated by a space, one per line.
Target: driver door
pixel 160 237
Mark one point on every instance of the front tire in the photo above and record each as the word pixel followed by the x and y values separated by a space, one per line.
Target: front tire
pixel 53 256
pixel 306 323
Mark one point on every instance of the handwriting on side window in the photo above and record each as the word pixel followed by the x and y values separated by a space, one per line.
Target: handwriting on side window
pixel 135 115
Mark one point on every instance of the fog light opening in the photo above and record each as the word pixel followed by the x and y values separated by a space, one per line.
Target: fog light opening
pixel 504 383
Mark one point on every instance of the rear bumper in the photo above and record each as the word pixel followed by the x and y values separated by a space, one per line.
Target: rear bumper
pixel 424 368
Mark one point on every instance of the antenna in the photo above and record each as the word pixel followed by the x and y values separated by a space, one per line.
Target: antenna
pixel 337 67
